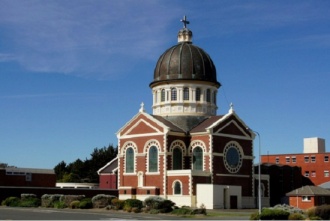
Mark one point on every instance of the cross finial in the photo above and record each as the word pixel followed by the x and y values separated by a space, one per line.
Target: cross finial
pixel 184 21
pixel 231 110
pixel 142 107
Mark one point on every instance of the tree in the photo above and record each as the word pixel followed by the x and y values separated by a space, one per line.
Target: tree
pixel 85 171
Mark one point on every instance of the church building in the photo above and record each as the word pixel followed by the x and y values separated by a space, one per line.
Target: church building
pixel 184 151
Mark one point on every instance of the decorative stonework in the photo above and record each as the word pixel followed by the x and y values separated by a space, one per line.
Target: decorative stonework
pixel 233 157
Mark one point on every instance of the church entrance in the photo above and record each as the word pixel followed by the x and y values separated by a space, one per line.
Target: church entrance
pixel 233 202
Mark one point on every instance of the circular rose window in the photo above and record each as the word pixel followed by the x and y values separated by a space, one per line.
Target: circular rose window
pixel 232 158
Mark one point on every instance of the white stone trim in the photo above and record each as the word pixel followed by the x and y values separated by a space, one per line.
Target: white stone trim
pixel 193 145
pixel 173 188
pixel 147 146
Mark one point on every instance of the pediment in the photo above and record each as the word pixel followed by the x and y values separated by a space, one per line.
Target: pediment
pixel 231 127
pixel 142 126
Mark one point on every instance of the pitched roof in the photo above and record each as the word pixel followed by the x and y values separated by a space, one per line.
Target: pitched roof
pixel 309 191
pixel 206 123
pixel 168 123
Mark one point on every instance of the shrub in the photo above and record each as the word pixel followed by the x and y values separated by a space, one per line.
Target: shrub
pixel 86 203
pixel 30 202
pixel 130 203
pixel 117 203
pixel 154 211
pixel 11 201
pixel 102 200
pixel 59 205
pixel 28 196
pixel 67 199
pixel 274 214
pixel 255 216
pixel 323 212
pixel 136 210
pixel 296 216
pixel 48 200
pixel 183 211
pixel 74 204
pixel 159 203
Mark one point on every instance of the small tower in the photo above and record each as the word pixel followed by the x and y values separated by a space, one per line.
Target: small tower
pixel 185 80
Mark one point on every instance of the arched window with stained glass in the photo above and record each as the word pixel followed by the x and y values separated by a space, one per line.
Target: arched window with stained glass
pixel 177 158
pixel 129 160
pixel 153 159
pixel 198 158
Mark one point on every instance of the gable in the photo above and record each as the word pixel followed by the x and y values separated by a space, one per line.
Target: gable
pixel 142 125
pixel 232 126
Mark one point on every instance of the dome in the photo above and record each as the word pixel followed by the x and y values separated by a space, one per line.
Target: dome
pixel 185 61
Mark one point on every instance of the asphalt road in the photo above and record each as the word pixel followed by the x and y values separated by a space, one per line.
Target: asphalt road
pixel 14 213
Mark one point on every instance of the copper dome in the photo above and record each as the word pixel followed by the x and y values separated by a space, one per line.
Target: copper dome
pixel 185 61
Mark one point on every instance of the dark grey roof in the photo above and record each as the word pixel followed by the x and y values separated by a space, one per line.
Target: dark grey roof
pixel 309 191
pixel 168 123
pixel 206 123
pixel 185 61
pixel 325 185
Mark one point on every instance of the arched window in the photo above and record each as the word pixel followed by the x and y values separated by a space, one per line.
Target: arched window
pixel 186 94
pixel 198 94
pixel 156 97
pixel 173 94
pixel 198 158
pixel 153 159
pixel 130 160
pixel 177 188
pixel 177 159
pixel 208 95
pixel 162 99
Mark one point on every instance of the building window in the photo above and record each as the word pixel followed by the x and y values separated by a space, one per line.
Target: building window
pixel 198 158
pixel 306 173
pixel 198 94
pixel 173 94
pixel 129 160
pixel 186 94
pixel 326 158
pixel 277 160
pixel 294 160
pixel 177 159
pixel 313 159
pixel 208 95
pixel 287 159
pixel 162 96
pixel 326 173
pixel 156 97
pixel 177 188
pixel 313 174
pixel 153 159
pixel 306 159
pixel 214 97
pixel 306 198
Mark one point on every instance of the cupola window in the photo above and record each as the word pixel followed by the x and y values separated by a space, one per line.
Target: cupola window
pixel 198 94
pixel 173 94
pixel 162 99
pixel 186 94
pixel 208 95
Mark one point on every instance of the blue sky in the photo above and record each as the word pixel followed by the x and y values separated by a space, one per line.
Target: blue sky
pixel 72 73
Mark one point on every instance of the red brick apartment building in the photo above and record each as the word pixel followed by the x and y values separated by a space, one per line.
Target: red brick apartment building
pixel 314 161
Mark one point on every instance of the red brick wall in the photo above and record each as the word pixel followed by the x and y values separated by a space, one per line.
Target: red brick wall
pixel 108 181
pixel 38 180
pixel 318 167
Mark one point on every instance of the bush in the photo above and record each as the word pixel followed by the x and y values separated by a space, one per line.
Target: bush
pixel 30 202
pixel 131 203
pixel 59 205
pixel 274 214
pixel 102 200
pixel 183 211
pixel 48 200
pixel 255 216
pixel 86 203
pixel 117 203
pixel 159 203
pixel 323 212
pixel 296 216
pixel 67 199
pixel 74 204
pixel 11 201
pixel 28 196
pixel 136 210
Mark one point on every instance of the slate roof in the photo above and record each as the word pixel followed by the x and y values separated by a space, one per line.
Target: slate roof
pixel 206 123
pixel 309 191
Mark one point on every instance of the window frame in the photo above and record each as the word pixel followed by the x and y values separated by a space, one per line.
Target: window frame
pixel 197 163
pixel 174 94
pixel 153 166
pixel 186 94
pixel 129 168
pixel 198 94
pixel 174 159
